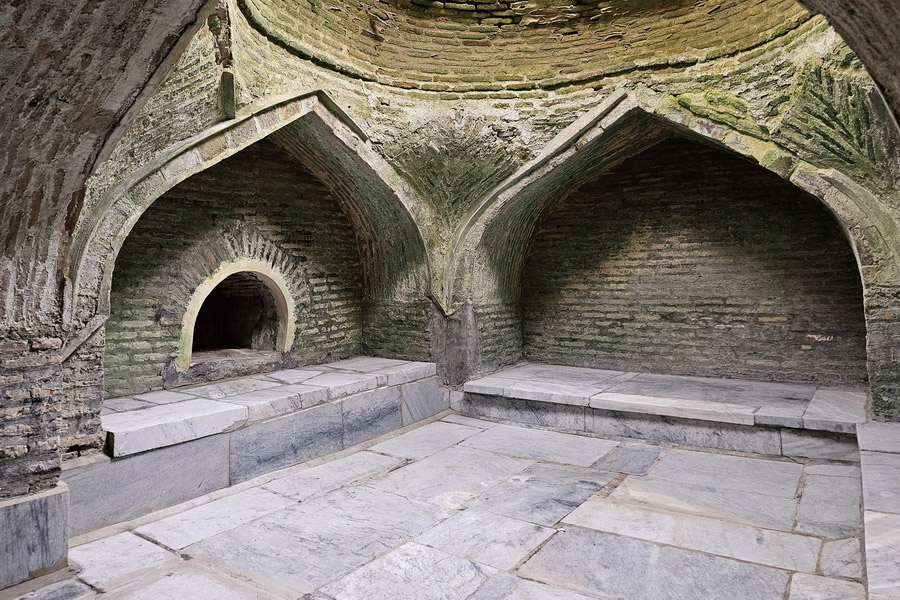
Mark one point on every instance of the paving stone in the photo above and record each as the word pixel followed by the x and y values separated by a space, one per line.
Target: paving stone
pixel 109 561
pixel 879 437
pixel 308 545
pixel 422 399
pixel 426 440
pixel 882 554
pixel 834 470
pixel 497 586
pixel 284 441
pixel 295 375
pixel 169 424
pixel 612 566
pixel 343 384
pixel 842 558
pixel 217 391
pixel 723 471
pixel 743 507
pixel 531 590
pixel 720 412
pixel 464 420
pixel 69 589
pixel 165 397
pixel 412 572
pixel 125 404
pixel 451 477
pixel 370 414
pixel 486 538
pixel 829 506
pixel 528 412
pixel 331 475
pixel 633 459
pixel 836 410
pixel 196 524
pixel 819 445
pixel 881 481
pixel 812 587
pixel 539 444
pixel 178 585
pixel 542 494
pixel 274 402
pixel 751 544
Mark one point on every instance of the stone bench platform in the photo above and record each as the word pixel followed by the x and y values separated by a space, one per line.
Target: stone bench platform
pixel 752 416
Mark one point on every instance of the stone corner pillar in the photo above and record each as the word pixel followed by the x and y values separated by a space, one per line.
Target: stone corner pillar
pixel 33 535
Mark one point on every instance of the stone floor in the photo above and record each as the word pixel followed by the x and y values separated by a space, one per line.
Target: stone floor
pixel 471 509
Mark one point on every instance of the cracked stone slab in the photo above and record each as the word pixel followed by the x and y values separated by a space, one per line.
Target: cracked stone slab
pixel 539 444
pixel 109 561
pixel 879 437
pixel 332 475
pixel 634 459
pixel 836 410
pixel 217 391
pixel 426 440
pixel 829 506
pixel 812 587
pixel 842 558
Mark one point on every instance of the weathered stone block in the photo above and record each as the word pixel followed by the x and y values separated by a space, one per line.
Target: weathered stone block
pixel 422 399
pixel 370 414
pixel 33 535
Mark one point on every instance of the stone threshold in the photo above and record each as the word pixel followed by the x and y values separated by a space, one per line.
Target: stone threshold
pixel 155 420
pixel 727 401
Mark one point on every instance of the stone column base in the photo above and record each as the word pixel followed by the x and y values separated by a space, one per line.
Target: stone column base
pixel 33 535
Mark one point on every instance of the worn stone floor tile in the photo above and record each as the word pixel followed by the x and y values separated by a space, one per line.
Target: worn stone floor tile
pixel 496 586
pixel 752 544
pixel 833 470
pixel 107 561
pixel 452 476
pixel 412 572
pixel 842 558
pixel 881 481
pixel 68 589
pixel 486 538
pixel 726 472
pixel 196 585
pixel 813 587
pixel 819 445
pixel 836 410
pixel 470 421
pixel 539 444
pixel 295 375
pixel 829 506
pixel 611 566
pixel 634 459
pixel 543 494
pixel 426 440
pixel 741 507
pixel 217 391
pixel 331 475
pixel 164 397
pixel 879 437
pixel 883 554
pixel 196 524
pixel 531 590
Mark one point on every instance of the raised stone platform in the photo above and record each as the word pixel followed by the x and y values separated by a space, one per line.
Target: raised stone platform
pixel 752 416
pixel 170 446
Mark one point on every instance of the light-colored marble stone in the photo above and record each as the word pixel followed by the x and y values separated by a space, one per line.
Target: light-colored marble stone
pixel 68 589
pixel 720 412
pixel 881 481
pixel 738 506
pixel 829 506
pixel 295 375
pixel 408 372
pixel 265 446
pixel 528 412
pixel 217 391
pixel 738 391
pixel 451 477
pixel 808 444
pixel 751 544
pixel 274 402
pixel 726 472
pixel 542 494
pixel 531 590
pixel 497 586
pixel 112 491
pixel 183 583
pixel 412 572
pixel 879 437
pixel 470 421
pixel 486 538
pixel 422 399
pixel 168 424
pixel 781 414
pixel 833 470
pixel 725 436
pixel 164 397
pixel 125 404
pixel 490 386
pixel 331 475
pixel 33 536
pixel 560 373
pixel 343 384
pixel 837 410
pixel 610 566
pixel 365 364
pixel 551 391
pixel 426 440
pixel 196 524
pixel 370 414
pixel 812 587
pixel 842 558
pixel 636 459
pixel 106 562
pixel 882 554
pixel 539 444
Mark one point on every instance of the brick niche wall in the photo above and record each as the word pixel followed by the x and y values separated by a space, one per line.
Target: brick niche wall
pixel 688 260
pixel 260 203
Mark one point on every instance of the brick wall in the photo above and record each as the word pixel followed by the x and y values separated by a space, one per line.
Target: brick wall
pixel 685 259
pixel 260 204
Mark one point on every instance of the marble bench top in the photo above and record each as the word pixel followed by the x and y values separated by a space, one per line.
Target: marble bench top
pixel 157 419
pixel 738 401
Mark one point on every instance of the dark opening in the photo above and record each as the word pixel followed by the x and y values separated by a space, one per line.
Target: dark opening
pixel 239 313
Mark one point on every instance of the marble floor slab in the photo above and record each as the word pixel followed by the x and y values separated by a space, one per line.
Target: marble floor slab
pixel 468 509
